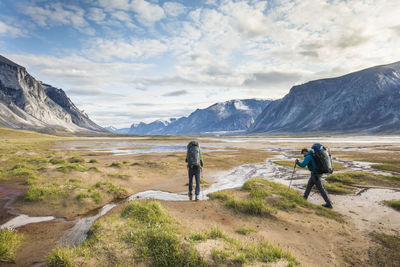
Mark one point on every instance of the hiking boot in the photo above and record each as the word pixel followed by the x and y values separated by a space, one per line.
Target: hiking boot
pixel 326 205
pixel 190 196
pixel 196 198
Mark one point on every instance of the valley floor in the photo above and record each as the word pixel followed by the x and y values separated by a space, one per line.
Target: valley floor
pixel 240 219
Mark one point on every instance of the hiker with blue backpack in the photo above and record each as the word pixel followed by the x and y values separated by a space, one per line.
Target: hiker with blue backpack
pixel 319 161
pixel 194 164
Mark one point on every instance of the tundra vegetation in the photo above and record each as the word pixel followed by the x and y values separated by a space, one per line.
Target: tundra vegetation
pixel 64 183
pixel 145 232
pixel 265 198
pixel 10 241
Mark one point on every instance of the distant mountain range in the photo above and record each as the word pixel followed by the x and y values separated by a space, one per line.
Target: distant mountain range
pixel 230 117
pixel 363 102
pixel 26 103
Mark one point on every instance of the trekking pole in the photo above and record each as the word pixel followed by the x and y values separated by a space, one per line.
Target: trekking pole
pixel 294 170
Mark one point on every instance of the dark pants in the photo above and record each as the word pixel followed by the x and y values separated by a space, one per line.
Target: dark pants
pixel 315 179
pixel 194 171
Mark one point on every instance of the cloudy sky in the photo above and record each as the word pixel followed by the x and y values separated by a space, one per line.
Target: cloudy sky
pixel 125 61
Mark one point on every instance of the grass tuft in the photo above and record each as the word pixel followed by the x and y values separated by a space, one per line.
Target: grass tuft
pixel 155 239
pixel 246 230
pixel 395 204
pixel 387 167
pixel 56 161
pixel 60 257
pixel 76 160
pixel 116 164
pixel 10 240
pixel 94 161
pixel 150 212
pixel 44 192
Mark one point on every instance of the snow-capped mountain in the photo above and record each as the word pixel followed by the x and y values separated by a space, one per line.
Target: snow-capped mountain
pixel 235 116
pixel 26 103
pixel 367 101
pixel 230 117
pixel 155 127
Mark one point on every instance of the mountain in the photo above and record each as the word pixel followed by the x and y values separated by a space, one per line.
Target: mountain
pixel 230 117
pixel 367 101
pixel 155 127
pixel 26 103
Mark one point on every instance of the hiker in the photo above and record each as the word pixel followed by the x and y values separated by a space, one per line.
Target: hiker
pixel 194 164
pixel 315 178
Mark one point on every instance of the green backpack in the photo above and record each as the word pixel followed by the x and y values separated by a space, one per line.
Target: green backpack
pixel 193 154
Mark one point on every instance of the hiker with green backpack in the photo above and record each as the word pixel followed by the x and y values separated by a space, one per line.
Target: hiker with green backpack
pixel 194 164
pixel 319 161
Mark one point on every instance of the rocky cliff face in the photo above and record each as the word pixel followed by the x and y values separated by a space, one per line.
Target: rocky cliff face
pixel 26 103
pixel 235 116
pixel 366 101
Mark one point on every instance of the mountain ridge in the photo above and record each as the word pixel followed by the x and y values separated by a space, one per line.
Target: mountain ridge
pixel 26 103
pixel 366 101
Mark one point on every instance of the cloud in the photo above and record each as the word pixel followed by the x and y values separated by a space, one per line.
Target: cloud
pixel 7 30
pixel 55 14
pixel 263 79
pixel 147 13
pixel 110 5
pixel 108 49
pixel 176 93
pixel 352 39
pixel 396 29
pixel 97 15
pixel 174 9
pixel 85 91
pixel 78 72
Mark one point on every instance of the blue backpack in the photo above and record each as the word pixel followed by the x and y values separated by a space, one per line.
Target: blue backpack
pixel 323 159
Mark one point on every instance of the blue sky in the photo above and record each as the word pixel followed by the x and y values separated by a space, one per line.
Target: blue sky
pixel 126 61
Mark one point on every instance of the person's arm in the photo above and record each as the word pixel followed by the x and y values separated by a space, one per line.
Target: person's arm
pixel 201 159
pixel 304 162
pixel 186 160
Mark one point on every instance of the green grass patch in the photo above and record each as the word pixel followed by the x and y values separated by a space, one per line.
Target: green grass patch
pixel 246 230
pixel 96 196
pixel 395 204
pixel 253 206
pixel 387 167
pixel 148 213
pixel 56 161
pixel 73 167
pixel 93 161
pixel 266 197
pixel 116 164
pixel 45 192
pixel 61 257
pixel 234 252
pixel 348 177
pixel 386 253
pixel 118 192
pixel 220 195
pixel 76 160
pixel 37 160
pixel 10 240
pixel 157 240
pixel 339 188
pixel 393 178
pixel 286 163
